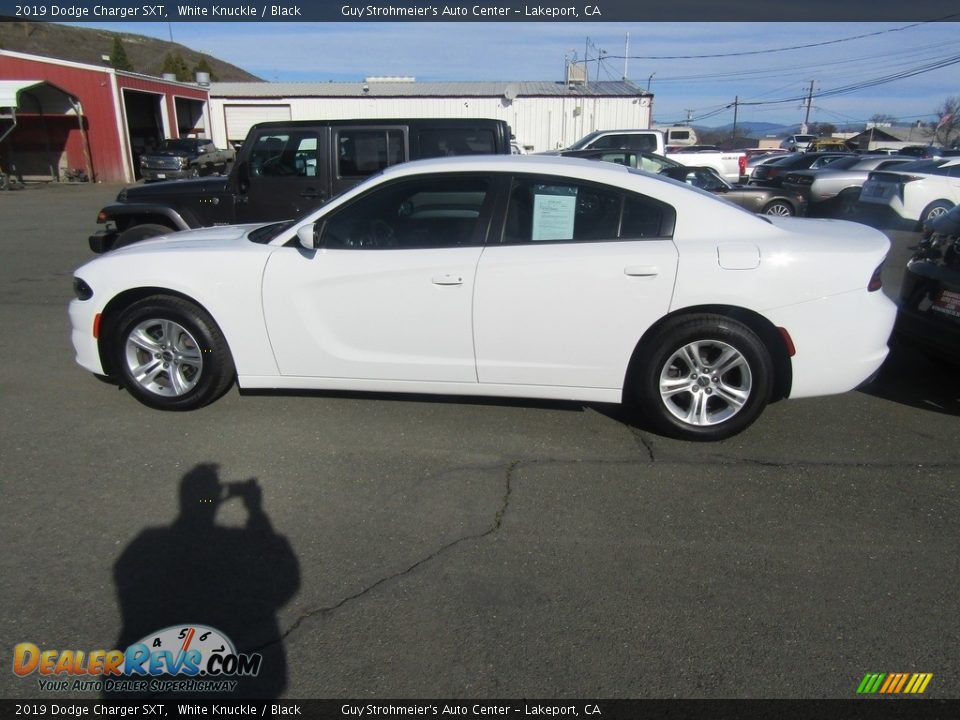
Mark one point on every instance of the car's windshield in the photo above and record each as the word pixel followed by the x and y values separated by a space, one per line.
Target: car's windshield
pixel 584 141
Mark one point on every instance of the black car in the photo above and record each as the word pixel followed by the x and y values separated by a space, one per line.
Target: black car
pixel 765 200
pixel 929 312
pixel 771 173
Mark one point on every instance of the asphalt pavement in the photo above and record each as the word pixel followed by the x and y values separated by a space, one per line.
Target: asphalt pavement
pixel 434 547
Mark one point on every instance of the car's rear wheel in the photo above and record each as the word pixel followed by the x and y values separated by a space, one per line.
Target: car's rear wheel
pixel 140 232
pixel 935 210
pixel 705 377
pixel 848 204
pixel 171 355
pixel 780 208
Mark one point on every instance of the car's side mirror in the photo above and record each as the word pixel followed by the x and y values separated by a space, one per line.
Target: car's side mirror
pixel 311 235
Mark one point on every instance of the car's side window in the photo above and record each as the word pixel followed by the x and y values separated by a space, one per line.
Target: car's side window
pixel 285 155
pixel 544 209
pixel 423 213
pixel 644 217
pixel 364 152
pixel 443 143
pixel 552 209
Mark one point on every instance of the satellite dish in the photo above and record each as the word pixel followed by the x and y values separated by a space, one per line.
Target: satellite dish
pixel 510 92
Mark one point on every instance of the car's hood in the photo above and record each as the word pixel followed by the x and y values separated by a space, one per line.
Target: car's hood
pixel 209 238
pixel 199 186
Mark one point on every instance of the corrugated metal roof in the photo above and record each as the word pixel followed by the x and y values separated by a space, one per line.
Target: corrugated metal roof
pixel 604 88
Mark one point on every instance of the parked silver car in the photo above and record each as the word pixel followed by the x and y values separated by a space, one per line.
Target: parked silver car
pixel 837 186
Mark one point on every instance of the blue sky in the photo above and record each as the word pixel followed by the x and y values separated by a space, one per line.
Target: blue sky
pixel 536 51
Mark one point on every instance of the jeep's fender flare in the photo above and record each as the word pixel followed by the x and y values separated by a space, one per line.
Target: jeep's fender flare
pixel 149 212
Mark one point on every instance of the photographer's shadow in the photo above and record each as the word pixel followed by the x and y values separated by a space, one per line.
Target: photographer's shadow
pixel 196 572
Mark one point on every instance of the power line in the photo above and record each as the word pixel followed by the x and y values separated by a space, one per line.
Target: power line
pixel 784 49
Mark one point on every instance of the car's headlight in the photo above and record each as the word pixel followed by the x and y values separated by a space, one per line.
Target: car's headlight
pixel 183 161
pixel 81 289
pixel 143 160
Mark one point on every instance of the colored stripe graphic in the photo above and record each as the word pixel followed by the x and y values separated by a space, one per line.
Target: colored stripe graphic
pixel 894 683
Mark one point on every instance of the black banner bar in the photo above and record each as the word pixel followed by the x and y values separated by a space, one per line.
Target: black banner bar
pixel 867 709
pixel 476 11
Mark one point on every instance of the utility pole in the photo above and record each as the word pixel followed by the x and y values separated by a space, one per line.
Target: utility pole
pixel 736 105
pixel 689 114
pixel 586 70
pixel 626 55
pixel 806 118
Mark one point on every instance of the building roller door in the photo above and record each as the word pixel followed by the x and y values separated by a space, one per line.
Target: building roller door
pixel 239 118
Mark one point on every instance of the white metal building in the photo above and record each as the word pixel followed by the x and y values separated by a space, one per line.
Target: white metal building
pixel 542 115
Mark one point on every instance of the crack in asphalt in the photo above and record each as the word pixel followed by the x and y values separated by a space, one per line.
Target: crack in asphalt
pixel 643 443
pixel 497 523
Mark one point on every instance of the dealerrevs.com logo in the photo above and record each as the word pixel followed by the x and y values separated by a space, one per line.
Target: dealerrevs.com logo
pixel 180 658
pixel 894 683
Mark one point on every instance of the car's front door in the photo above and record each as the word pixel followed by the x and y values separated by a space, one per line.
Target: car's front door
pixel 284 177
pixel 582 271
pixel 389 295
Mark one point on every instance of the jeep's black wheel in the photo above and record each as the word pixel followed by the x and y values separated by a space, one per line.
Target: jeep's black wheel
pixel 140 232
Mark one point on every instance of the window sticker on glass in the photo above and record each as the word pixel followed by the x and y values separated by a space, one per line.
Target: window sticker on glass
pixel 554 207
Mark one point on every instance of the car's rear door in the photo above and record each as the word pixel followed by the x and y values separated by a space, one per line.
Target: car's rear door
pixel 582 270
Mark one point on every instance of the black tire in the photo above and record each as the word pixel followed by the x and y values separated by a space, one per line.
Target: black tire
pixel 191 364
pixel 729 401
pixel 140 232
pixel 935 210
pixel 780 208
pixel 847 204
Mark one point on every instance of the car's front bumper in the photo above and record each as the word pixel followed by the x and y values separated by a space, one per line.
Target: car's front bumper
pixel 150 175
pixel 102 240
pixel 83 324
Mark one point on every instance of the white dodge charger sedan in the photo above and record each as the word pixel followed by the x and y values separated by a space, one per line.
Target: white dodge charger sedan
pixel 525 276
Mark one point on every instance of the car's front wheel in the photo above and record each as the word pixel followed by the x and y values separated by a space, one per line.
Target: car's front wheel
pixel 704 377
pixel 171 355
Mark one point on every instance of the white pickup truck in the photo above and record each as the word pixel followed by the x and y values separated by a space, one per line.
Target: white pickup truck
pixel 730 165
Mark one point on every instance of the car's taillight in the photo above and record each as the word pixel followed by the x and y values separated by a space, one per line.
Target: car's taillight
pixel 904 179
pixel 742 164
pixel 876 280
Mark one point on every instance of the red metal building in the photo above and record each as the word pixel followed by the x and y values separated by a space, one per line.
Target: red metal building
pixel 71 116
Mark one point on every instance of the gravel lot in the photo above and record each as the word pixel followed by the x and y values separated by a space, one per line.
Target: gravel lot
pixel 427 547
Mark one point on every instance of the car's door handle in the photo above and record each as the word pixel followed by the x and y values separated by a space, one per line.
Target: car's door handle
pixel 447 279
pixel 312 193
pixel 641 270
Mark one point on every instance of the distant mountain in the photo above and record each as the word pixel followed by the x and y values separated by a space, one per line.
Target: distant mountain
pixel 88 45
pixel 755 129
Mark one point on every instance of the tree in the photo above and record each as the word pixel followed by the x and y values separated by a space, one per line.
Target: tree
pixel 118 56
pixel 882 119
pixel 823 129
pixel 947 125
pixel 174 64
pixel 204 66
